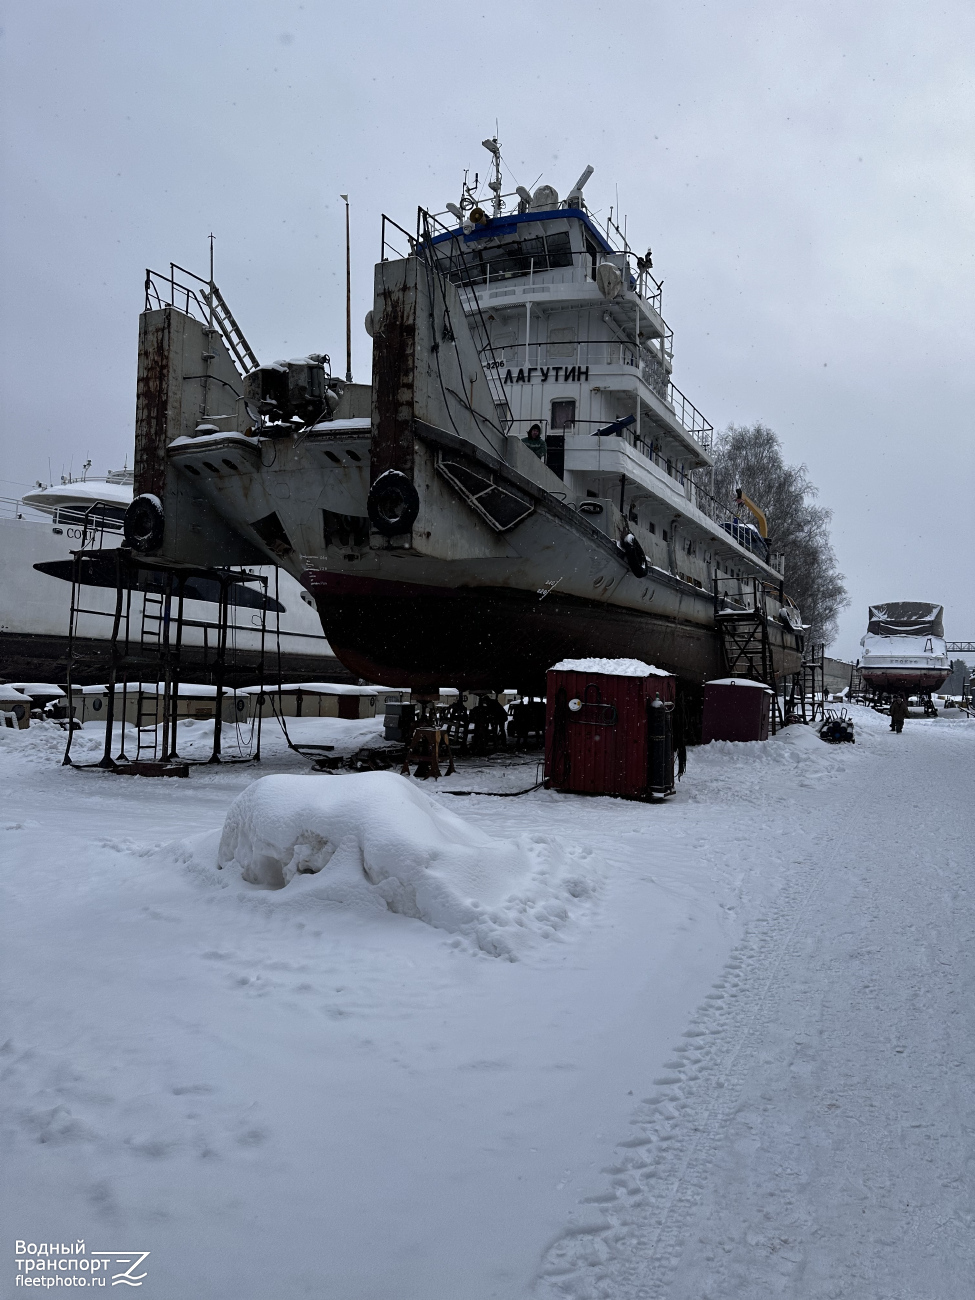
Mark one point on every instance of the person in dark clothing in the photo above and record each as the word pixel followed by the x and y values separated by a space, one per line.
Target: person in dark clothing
pixel 898 712
pixel 535 442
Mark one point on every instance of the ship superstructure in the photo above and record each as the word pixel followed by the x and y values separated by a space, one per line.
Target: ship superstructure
pixel 520 483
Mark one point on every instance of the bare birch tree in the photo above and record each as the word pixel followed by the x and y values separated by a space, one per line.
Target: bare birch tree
pixel 750 458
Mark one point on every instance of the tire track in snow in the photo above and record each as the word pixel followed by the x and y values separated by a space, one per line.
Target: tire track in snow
pixel 633 1243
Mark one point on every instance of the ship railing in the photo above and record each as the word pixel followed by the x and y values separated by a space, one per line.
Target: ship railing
pixel 637 274
pixel 204 302
pixel 395 241
pixel 700 429
pixel 73 519
pixel 739 530
pixel 13 508
pixel 88 519
pixel 605 352
pixel 559 268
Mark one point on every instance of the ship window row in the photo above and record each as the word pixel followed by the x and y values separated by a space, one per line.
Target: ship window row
pixel 514 258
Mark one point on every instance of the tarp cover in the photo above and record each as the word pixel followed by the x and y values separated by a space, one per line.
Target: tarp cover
pixel 906 618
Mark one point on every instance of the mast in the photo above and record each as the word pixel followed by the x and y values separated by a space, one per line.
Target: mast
pixel 348 295
pixel 494 149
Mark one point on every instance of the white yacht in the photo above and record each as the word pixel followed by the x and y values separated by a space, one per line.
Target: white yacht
pixel 38 533
pixel 904 648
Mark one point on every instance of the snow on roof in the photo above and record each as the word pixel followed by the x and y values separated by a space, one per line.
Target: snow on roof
pixel 609 667
pixel 189 690
pixel 11 693
pixel 739 681
pixel 37 688
pixel 315 688
pixel 357 425
pixel 219 435
pixel 83 494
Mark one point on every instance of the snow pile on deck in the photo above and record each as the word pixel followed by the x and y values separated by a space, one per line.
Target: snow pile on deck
pixel 609 667
pixel 373 841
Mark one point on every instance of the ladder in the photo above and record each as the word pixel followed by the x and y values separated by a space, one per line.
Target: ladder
pixel 742 625
pixel 813 684
pixel 242 351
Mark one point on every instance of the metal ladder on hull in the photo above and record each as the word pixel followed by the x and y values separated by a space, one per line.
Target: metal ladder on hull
pixel 743 630
pixel 233 334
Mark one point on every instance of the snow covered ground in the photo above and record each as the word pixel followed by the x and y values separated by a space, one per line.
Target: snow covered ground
pixel 731 1053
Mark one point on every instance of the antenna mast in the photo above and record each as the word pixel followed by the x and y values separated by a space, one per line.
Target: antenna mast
pixel 494 149
pixel 348 295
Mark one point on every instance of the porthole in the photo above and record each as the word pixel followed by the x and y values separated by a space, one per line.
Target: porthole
pixel 96 705
pixel 191 469
pixel 332 456
pixel 353 455
pixel 211 467
pixel 230 465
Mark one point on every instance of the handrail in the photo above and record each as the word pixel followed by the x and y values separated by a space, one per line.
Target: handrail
pixel 205 306
pixel 699 427
pixel 693 422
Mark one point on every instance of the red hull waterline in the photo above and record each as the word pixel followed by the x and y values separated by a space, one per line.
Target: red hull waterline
pixel 913 681
pixel 408 635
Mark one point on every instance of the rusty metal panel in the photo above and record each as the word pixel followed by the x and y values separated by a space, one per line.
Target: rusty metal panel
pixel 601 747
pixel 394 368
pixel 158 397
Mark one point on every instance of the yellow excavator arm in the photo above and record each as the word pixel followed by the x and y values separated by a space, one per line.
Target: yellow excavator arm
pixel 742 500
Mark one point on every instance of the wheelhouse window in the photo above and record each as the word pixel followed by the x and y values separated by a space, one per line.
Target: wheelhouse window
pixel 515 257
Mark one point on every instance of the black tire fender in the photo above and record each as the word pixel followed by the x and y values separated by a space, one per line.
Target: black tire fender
pixel 393 504
pixel 144 523
pixel 635 556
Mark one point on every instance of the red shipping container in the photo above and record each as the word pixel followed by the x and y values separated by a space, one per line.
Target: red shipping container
pixel 736 709
pixel 596 734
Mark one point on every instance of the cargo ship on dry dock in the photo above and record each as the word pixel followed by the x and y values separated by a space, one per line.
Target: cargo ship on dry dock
pixel 521 482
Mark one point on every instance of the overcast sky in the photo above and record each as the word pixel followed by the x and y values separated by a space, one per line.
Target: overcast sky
pixel 804 174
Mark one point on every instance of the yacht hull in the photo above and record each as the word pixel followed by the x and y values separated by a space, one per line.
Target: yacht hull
pixel 912 681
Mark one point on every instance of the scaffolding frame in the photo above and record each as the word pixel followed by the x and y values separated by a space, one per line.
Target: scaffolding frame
pixel 146 646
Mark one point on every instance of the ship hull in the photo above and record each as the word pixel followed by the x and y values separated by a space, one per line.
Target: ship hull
pixel 912 681
pixel 480 638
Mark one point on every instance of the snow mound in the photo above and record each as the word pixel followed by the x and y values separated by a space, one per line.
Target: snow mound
pixel 373 841
pixel 609 667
